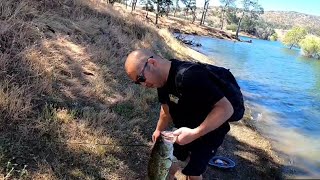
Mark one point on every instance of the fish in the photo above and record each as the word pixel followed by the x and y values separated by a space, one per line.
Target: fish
pixel 161 157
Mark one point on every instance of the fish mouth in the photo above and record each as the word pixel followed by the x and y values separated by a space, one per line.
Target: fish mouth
pixel 168 137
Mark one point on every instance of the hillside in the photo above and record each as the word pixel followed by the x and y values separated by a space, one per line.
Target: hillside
pixel 288 19
pixel 66 104
pixel 67 108
pixel 280 19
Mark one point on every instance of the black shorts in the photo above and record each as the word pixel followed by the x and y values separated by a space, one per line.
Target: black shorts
pixel 200 152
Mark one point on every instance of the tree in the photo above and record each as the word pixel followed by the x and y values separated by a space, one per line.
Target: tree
pixel 165 7
pixel 311 46
pixel 133 5
pixel 251 9
pixel 226 4
pixel 125 2
pixel 190 5
pixel 176 8
pixel 231 16
pixel 263 30
pixel 148 6
pixel 158 10
pixel 204 13
pixel 113 1
pixel 293 37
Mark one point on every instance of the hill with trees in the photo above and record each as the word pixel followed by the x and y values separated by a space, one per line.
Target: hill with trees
pixel 289 19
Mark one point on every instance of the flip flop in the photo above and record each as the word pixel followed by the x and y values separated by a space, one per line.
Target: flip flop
pixel 222 162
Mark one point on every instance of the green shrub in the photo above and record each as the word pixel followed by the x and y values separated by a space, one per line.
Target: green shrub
pixel 273 37
pixel 232 27
pixel 294 36
pixel 311 46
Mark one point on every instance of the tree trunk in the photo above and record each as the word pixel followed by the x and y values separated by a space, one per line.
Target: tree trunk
pixel 176 8
pixel 132 5
pixel 201 21
pixel 291 46
pixel 204 13
pixel 222 16
pixel 193 17
pixel 157 14
pixel 222 19
pixel 239 24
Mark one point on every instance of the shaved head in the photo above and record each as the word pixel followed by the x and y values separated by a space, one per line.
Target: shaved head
pixel 146 64
pixel 136 60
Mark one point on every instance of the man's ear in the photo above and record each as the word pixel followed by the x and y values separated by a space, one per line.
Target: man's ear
pixel 153 61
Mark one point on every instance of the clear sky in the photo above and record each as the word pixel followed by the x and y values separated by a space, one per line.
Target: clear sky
pixel 303 6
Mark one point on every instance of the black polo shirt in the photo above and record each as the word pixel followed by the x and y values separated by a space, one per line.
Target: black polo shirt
pixel 198 94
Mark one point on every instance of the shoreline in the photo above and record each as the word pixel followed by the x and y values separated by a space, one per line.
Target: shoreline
pixel 178 25
pixel 255 149
pixel 243 134
pixel 295 162
pixel 69 109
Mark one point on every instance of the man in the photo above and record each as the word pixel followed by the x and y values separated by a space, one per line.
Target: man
pixel 199 109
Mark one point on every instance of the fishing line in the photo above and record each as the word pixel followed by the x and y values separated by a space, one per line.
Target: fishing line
pixel 93 144
pixel 99 144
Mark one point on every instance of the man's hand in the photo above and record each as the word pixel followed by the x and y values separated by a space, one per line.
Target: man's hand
pixel 155 135
pixel 185 135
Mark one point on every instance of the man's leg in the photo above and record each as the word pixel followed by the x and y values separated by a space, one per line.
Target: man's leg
pixel 213 153
pixel 173 170
pixel 199 158
pixel 181 153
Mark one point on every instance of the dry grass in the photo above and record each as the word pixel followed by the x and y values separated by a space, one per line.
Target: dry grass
pixel 184 26
pixel 61 64
pixel 63 90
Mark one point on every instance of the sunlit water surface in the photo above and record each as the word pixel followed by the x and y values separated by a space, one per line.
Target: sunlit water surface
pixel 283 90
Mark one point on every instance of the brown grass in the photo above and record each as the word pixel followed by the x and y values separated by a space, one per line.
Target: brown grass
pixel 178 25
pixel 63 90
pixel 63 83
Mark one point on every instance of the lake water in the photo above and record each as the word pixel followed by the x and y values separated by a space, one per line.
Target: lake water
pixel 283 90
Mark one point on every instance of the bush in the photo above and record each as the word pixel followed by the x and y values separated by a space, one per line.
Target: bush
pixel 294 36
pixel 273 37
pixel 232 27
pixel 264 33
pixel 311 46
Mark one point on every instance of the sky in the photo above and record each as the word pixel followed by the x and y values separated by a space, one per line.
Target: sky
pixel 303 6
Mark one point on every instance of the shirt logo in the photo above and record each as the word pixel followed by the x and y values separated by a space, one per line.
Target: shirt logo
pixel 174 98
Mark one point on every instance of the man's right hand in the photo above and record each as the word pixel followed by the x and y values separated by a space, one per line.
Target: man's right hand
pixel 155 135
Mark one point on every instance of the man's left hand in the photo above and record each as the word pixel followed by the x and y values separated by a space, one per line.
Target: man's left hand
pixel 185 135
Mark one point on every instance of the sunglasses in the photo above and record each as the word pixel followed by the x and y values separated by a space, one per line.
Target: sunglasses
pixel 141 78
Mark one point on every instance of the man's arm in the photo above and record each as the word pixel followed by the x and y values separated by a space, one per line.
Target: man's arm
pixel 220 113
pixel 163 122
pixel 164 118
pixel 200 89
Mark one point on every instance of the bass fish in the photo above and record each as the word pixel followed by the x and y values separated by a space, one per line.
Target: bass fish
pixel 161 157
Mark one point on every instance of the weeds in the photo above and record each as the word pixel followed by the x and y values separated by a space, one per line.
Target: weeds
pixel 12 169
